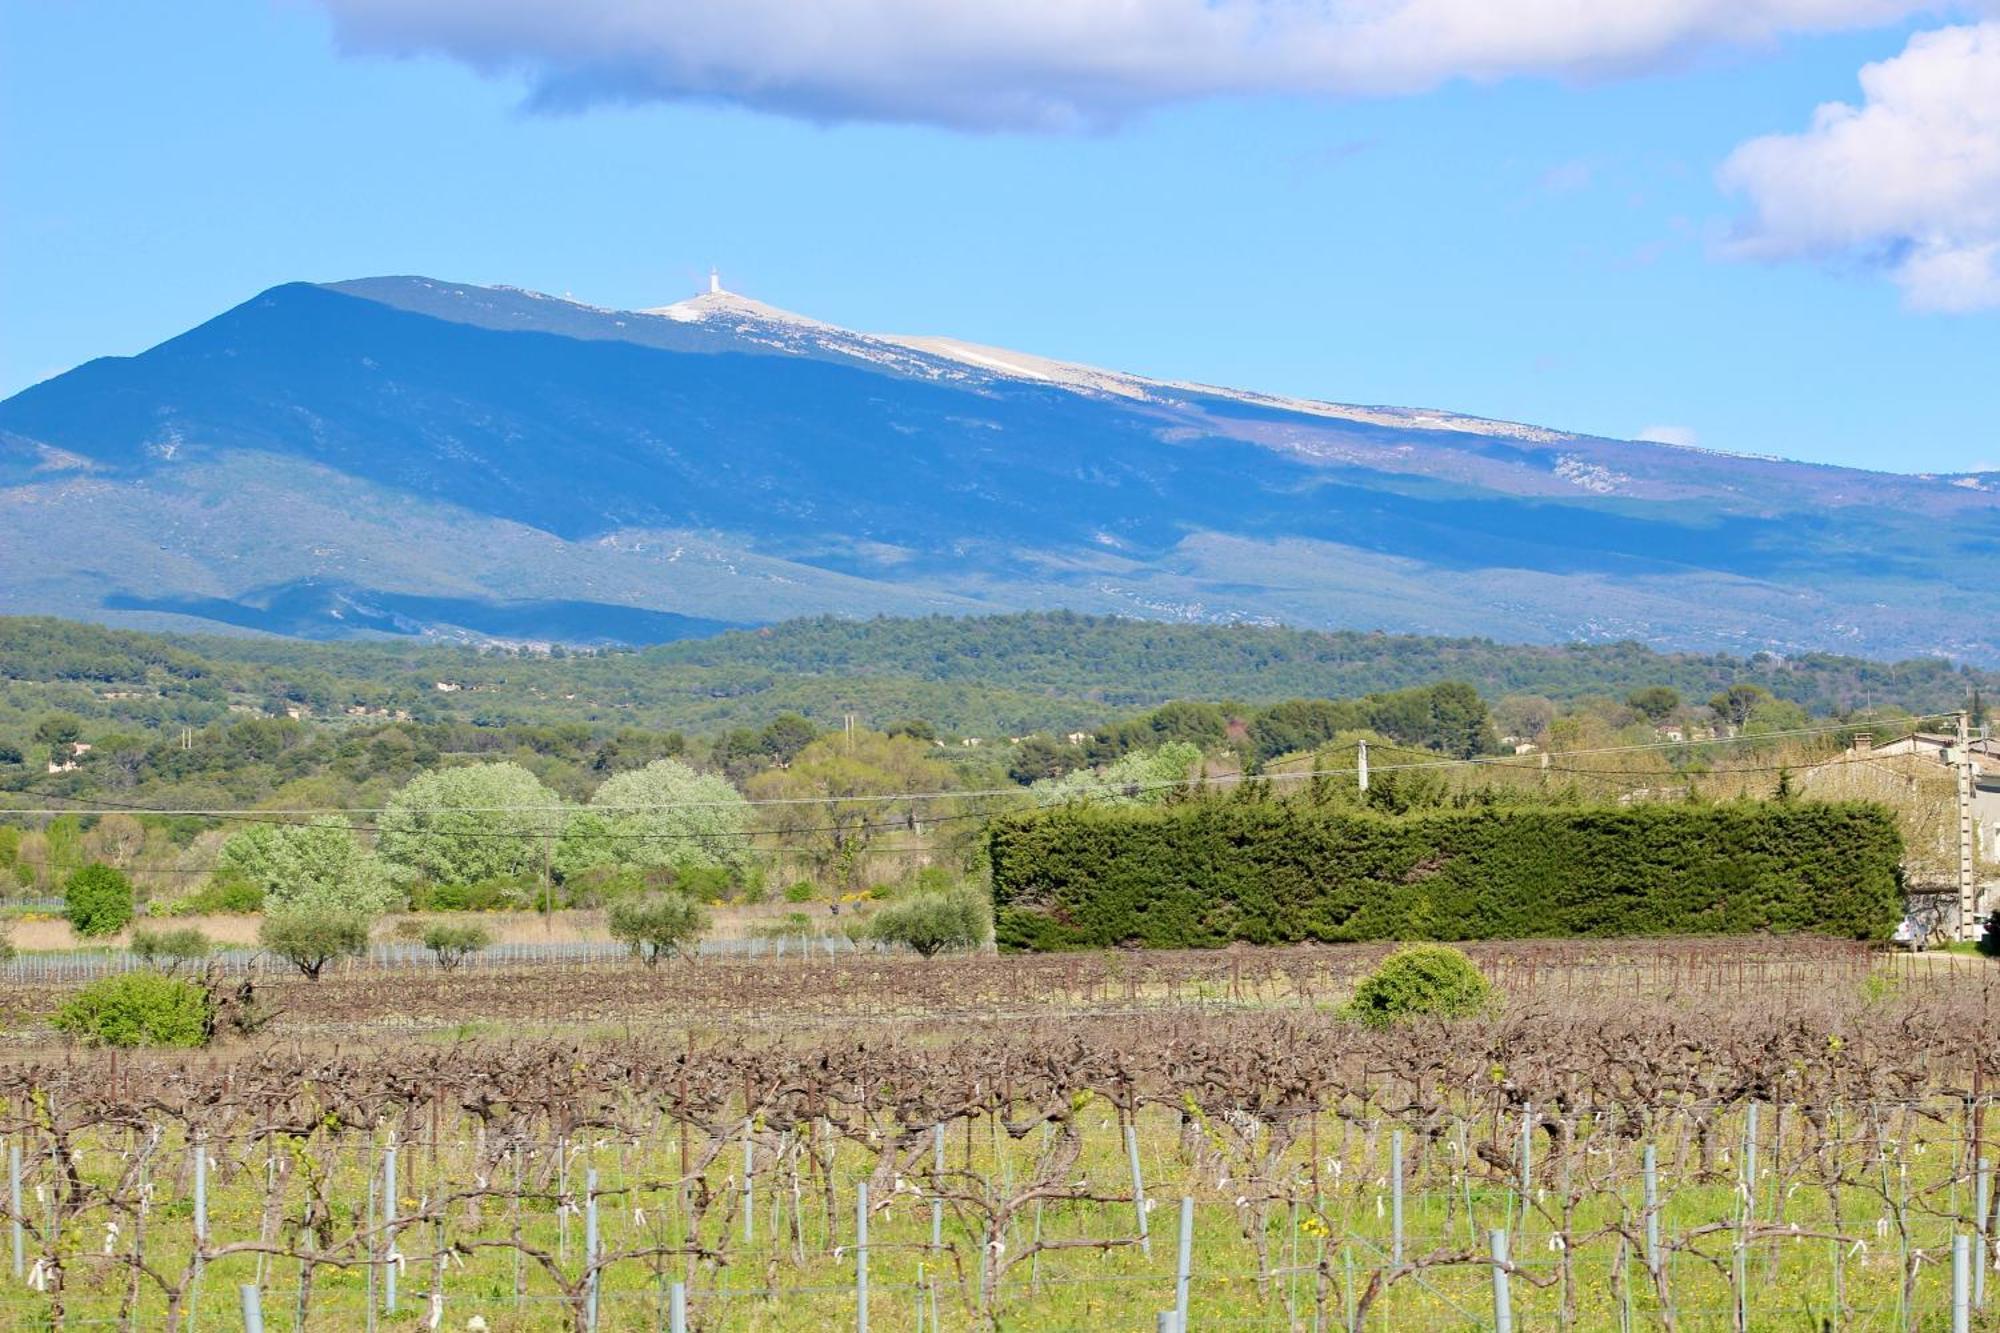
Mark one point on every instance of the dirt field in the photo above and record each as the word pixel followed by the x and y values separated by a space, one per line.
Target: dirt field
pixel 730 922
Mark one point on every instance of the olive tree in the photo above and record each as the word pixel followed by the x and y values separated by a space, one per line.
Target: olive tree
pixel 935 923
pixel 657 924
pixel 167 950
pixel 310 936
pixel 451 943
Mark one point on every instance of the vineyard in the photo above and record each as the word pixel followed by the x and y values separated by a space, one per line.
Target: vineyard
pixel 1629 1142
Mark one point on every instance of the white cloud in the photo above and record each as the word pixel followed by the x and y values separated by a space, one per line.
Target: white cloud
pixel 1909 179
pixel 1054 64
pixel 1684 436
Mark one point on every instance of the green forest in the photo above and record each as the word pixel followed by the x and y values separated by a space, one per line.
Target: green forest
pixel 981 676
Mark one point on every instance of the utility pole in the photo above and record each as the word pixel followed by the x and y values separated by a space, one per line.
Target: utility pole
pixel 548 885
pixel 1968 928
pixel 1361 771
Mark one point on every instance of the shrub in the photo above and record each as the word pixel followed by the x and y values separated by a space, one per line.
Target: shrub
pixel 310 937
pixel 933 923
pixel 1205 873
pixel 139 1009
pixel 222 894
pixel 787 927
pixel 603 884
pixel 7 949
pixel 707 884
pixel 486 895
pixel 657 924
pixel 452 944
pixel 804 891
pixel 1420 979
pixel 98 900
pixel 168 949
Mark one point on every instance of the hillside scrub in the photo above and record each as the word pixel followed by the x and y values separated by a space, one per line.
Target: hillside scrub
pixel 1202 874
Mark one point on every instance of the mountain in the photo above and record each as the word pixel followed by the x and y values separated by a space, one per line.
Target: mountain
pixel 400 455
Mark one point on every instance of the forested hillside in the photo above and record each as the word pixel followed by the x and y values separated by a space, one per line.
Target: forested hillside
pixel 984 676
pixel 1136 663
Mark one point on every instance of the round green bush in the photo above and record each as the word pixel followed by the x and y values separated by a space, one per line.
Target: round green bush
pixel 138 1009
pixel 98 900
pixel 935 923
pixel 1421 979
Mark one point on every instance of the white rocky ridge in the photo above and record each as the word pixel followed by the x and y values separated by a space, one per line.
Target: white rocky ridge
pixel 956 359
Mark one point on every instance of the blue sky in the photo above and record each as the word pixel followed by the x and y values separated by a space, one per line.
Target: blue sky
pixel 1552 245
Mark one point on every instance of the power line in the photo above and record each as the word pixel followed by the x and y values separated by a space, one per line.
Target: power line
pixel 1200 781
pixel 276 819
pixel 913 823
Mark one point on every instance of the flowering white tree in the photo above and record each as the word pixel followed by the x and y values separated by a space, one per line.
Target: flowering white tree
pixel 463 825
pixel 316 865
pixel 664 814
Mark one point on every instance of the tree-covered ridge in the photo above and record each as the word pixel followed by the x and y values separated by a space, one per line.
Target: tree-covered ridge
pixel 1139 662
pixel 996 676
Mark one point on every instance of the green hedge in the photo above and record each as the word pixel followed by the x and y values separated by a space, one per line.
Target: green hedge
pixel 1203 874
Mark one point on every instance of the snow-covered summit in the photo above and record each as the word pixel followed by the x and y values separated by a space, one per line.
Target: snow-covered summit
pixel 955 359
pixel 724 306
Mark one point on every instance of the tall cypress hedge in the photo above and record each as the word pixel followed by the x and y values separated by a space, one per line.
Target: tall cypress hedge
pixel 1205 873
